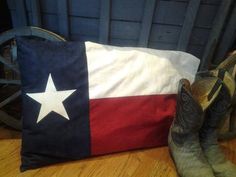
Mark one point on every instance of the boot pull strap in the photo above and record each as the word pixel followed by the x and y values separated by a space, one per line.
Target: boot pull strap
pixel 221 74
pixel 228 80
pixel 214 89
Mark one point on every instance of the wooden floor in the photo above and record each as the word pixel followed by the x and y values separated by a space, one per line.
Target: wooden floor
pixel 142 163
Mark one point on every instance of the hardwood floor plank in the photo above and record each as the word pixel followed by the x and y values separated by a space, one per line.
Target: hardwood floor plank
pixel 155 162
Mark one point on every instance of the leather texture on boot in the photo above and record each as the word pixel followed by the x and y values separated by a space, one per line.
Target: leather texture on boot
pixel 223 75
pixel 184 138
pixel 228 64
pixel 208 135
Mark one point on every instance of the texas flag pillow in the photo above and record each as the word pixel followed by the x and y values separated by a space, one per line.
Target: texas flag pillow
pixel 87 99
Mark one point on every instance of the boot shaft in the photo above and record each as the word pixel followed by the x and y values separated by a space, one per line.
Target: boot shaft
pixel 188 118
pixel 214 117
pixel 189 115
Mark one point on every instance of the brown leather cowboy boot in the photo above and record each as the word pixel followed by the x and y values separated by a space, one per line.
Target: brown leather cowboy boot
pixel 208 133
pixel 183 138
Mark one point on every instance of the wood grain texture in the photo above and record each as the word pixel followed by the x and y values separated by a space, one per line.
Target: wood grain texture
pixel 121 22
pixel 104 26
pixel 7 133
pixel 215 34
pixel 146 23
pixel 21 14
pixel 154 162
pixel 63 19
pixel 228 38
pixel 142 163
pixel 36 13
pixel 188 25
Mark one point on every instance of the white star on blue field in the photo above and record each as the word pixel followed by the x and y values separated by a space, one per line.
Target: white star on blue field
pixel 51 100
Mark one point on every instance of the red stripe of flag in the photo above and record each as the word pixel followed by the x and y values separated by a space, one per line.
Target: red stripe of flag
pixel 119 124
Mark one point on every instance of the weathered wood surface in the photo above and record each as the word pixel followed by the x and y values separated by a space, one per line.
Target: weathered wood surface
pixel 215 34
pixel 10 120
pixel 146 23
pixel 29 31
pixel 63 18
pixel 5 81
pixel 36 13
pixel 21 13
pixel 104 24
pixel 154 162
pixel 10 98
pixel 128 23
pixel 188 25
pixel 227 38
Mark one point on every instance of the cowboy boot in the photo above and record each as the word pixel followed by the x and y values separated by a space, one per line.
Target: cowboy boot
pixel 228 64
pixel 183 137
pixel 223 74
pixel 208 133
